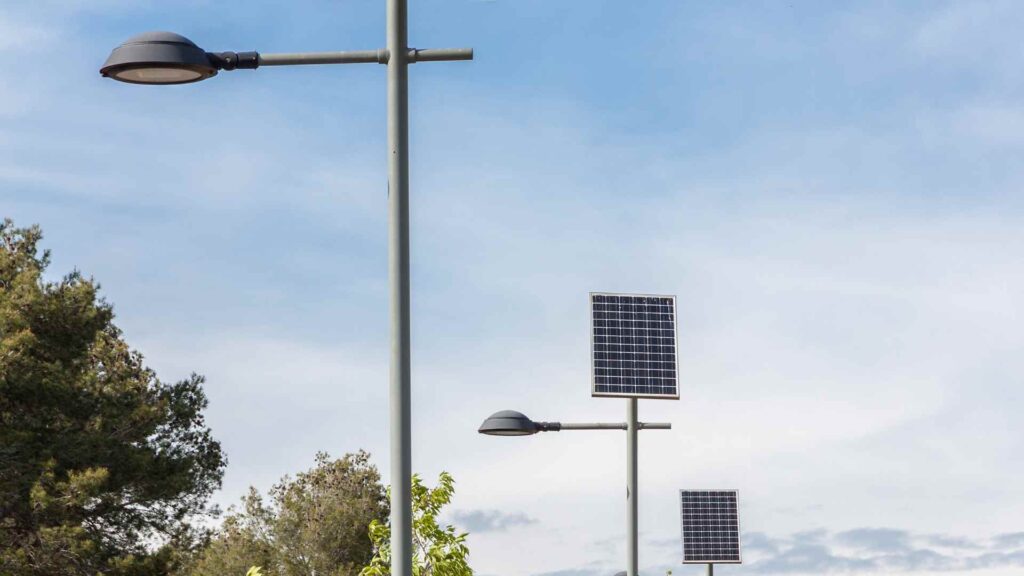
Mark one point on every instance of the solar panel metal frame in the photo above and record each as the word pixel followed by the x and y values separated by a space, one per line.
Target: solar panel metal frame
pixel 675 349
pixel 682 527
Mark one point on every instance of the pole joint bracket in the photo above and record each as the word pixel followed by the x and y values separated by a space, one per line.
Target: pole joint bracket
pixel 234 60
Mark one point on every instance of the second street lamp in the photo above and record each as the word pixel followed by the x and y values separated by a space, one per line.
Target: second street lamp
pixel 168 58
pixel 512 423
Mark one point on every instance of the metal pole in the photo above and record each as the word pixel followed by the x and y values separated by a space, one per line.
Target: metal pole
pixel 631 489
pixel 711 570
pixel 398 272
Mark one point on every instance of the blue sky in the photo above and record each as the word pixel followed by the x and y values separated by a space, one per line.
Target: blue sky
pixel 832 190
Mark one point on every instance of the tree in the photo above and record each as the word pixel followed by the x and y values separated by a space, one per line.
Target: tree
pixel 437 551
pixel 244 541
pixel 101 463
pixel 315 525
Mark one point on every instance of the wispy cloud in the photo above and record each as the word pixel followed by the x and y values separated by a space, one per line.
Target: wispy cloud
pixel 1010 540
pixel 956 542
pixel 490 520
pixel 875 539
pixel 878 550
pixel 868 551
pixel 20 36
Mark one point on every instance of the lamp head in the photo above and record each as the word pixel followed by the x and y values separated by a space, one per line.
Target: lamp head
pixel 158 58
pixel 508 423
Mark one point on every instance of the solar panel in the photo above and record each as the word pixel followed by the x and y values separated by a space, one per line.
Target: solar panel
pixel 711 526
pixel 633 345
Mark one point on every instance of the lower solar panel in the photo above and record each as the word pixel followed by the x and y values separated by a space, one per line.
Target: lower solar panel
pixel 710 526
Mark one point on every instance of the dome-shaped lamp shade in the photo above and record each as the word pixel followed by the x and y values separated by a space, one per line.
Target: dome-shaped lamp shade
pixel 508 423
pixel 158 58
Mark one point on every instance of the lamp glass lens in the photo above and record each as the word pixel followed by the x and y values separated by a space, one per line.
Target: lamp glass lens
pixel 158 75
pixel 509 432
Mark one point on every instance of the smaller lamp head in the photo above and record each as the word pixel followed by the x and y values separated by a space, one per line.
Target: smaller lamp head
pixel 158 58
pixel 508 423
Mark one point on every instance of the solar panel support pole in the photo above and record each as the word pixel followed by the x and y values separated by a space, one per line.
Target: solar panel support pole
pixel 711 570
pixel 632 560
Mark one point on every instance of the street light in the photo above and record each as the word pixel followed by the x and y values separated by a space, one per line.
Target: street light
pixel 512 423
pixel 160 58
pixel 168 58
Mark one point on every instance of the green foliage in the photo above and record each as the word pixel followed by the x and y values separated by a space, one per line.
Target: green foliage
pixel 315 524
pixel 100 462
pixel 243 540
pixel 437 551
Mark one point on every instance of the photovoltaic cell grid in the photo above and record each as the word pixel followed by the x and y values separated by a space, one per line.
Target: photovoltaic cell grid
pixel 633 345
pixel 711 526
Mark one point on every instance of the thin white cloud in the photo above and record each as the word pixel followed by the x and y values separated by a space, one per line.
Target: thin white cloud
pixel 19 36
pixel 490 520
pixel 875 550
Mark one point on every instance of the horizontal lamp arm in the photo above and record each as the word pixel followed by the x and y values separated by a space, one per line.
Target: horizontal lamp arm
pixel 360 57
pixel 557 426
pixel 595 426
pixel 440 54
pixel 348 57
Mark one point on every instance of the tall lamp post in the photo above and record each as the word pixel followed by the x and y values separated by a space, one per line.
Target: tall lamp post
pixel 167 58
pixel 512 423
